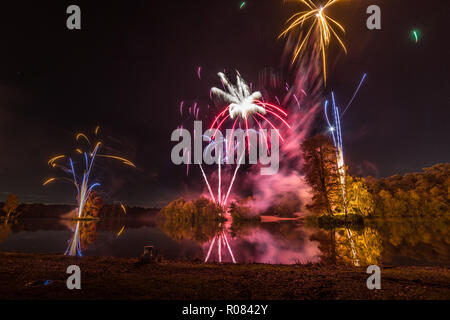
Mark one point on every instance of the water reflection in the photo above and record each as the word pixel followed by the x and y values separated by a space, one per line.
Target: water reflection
pixel 389 242
pixel 418 241
pixel 220 240
pixel 5 231
pixel 275 242
pixel 85 233
pixel 74 248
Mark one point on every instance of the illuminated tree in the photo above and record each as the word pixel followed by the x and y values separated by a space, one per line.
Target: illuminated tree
pixel 361 247
pixel 414 194
pixel 359 199
pixel 11 205
pixel 321 173
pixel 197 220
pixel 93 205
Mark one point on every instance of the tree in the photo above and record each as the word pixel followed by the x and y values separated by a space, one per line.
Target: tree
pixel 321 173
pixel 11 205
pixel 93 204
pixel 414 194
pixel 359 199
pixel 197 220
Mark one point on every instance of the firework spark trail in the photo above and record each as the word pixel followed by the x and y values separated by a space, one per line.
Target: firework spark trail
pixel 207 183
pixel 353 248
pixel 124 161
pixel 210 249
pixel 234 177
pixel 221 241
pixel 220 249
pixel 266 139
pixel 228 246
pixel 337 140
pixel 336 133
pixel 231 135
pixel 74 247
pixel 186 155
pixel 219 191
pixel 120 232
pixel 273 127
pixel 296 99
pixel 83 186
pixel 321 24
pixel 354 94
pixel 181 107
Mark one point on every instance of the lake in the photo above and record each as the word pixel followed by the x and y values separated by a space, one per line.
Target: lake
pixel 396 242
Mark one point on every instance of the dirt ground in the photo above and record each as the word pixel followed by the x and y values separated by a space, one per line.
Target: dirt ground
pixel 119 278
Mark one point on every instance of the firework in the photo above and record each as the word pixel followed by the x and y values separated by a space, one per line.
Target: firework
pixel 74 248
pixel 415 35
pixel 245 105
pixel 124 209
pixel 320 24
pixel 82 184
pixel 245 110
pixel 336 133
pixel 239 108
pixel 120 232
pixel 221 239
pixel 243 102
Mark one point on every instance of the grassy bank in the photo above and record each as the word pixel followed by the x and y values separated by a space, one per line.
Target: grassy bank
pixel 118 278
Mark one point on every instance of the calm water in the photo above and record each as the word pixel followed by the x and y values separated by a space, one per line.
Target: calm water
pixel 393 242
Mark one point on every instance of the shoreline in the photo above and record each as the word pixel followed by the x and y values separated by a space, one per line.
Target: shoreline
pixel 276 219
pixel 119 278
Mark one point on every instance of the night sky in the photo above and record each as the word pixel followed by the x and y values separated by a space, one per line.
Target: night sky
pixel 132 63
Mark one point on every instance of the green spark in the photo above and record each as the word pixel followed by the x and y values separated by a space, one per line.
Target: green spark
pixel 415 34
pixel 243 3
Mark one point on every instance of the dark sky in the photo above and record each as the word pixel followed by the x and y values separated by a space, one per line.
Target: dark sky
pixel 134 61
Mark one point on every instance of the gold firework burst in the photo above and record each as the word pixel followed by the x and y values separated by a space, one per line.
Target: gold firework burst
pixel 320 23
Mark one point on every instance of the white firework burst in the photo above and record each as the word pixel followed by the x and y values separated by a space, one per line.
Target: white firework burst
pixel 243 102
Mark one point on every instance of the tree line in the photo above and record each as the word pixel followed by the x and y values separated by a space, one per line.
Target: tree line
pixel 414 194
